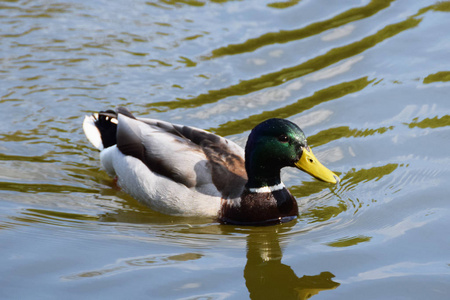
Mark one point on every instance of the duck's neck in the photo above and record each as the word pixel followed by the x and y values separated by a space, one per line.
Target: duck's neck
pixel 262 175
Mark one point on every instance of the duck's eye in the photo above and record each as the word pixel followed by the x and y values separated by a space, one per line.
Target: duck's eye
pixel 283 138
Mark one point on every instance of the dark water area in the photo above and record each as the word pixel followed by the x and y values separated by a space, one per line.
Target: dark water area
pixel 368 82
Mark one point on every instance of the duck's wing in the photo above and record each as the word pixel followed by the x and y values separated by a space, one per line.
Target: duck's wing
pixel 190 156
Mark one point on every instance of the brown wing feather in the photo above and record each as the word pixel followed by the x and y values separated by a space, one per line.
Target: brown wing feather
pixel 227 170
pixel 226 160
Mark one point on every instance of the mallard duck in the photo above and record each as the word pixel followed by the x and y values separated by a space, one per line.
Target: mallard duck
pixel 187 171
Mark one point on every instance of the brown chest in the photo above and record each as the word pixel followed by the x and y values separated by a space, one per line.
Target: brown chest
pixel 261 209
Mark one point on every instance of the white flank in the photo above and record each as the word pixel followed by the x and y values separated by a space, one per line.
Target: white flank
pixel 156 191
pixel 267 189
pixel 92 133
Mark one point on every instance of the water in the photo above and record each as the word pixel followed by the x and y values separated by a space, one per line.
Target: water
pixel 368 81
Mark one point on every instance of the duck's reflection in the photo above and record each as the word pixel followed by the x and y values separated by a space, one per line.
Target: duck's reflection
pixel 267 278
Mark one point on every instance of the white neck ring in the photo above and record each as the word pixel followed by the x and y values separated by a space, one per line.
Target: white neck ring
pixel 268 189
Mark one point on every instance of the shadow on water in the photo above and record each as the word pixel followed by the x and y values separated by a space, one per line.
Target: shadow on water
pixel 266 277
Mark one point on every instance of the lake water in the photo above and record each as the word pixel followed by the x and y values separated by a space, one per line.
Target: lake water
pixel 368 81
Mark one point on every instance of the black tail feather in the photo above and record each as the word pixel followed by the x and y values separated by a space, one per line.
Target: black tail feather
pixel 107 125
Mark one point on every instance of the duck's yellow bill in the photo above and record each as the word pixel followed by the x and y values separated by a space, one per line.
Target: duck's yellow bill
pixel 309 164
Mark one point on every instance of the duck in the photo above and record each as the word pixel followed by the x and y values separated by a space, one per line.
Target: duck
pixel 187 171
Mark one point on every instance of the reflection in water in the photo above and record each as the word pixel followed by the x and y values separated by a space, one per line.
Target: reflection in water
pixel 134 263
pixel 431 122
pixel 303 104
pixel 285 36
pixel 336 133
pixel 283 4
pixel 277 78
pixel 349 241
pixel 437 77
pixel 267 278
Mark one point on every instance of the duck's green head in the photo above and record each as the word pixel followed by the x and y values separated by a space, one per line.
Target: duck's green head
pixel 278 143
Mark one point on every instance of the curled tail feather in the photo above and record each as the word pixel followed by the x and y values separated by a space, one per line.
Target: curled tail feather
pixel 101 129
